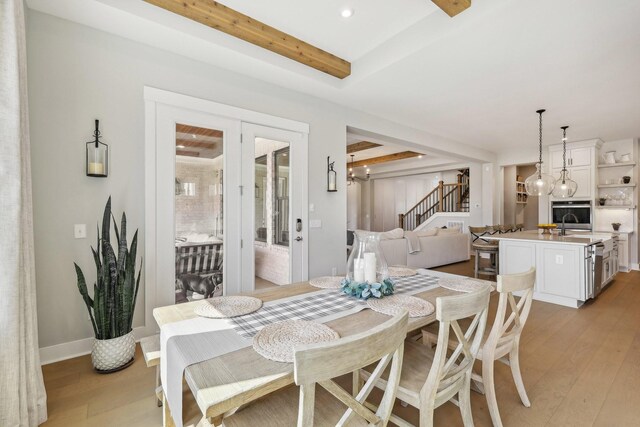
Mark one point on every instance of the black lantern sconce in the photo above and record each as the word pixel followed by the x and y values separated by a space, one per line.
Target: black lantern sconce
pixel 332 181
pixel 97 156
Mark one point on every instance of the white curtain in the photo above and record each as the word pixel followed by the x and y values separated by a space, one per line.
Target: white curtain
pixel 22 395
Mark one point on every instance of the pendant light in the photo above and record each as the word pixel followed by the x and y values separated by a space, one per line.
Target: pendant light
pixel 565 186
pixel 539 183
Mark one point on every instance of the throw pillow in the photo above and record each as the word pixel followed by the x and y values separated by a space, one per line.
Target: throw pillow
pixel 447 231
pixel 427 233
pixel 396 233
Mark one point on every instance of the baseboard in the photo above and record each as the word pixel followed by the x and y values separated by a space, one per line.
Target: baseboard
pixel 68 350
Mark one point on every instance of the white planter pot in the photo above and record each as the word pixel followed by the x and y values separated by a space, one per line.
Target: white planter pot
pixel 108 355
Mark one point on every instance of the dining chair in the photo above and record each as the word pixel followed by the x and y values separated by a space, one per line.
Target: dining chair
pixel 319 364
pixel 503 342
pixel 431 378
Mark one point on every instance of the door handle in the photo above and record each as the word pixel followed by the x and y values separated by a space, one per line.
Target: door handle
pixel 298 239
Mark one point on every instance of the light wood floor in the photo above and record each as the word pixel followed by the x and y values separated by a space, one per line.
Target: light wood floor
pixel 580 367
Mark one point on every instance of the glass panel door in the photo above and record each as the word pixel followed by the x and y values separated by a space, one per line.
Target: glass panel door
pixel 274 202
pixel 199 212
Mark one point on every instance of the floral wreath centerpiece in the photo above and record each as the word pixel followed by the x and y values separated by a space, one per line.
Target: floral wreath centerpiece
pixel 367 272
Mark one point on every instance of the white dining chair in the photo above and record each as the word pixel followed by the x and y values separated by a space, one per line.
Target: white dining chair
pixel 503 340
pixel 431 378
pixel 308 405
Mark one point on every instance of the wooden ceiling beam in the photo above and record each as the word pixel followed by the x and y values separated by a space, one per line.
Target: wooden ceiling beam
pixel 452 7
pixel 236 24
pixel 196 143
pixel 187 153
pixel 360 146
pixel 194 130
pixel 384 159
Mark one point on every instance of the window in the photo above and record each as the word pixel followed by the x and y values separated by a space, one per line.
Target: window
pixel 281 197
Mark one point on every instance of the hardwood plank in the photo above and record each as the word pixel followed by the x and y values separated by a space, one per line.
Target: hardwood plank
pixel 384 159
pixel 234 23
pixel 452 7
pixel 360 146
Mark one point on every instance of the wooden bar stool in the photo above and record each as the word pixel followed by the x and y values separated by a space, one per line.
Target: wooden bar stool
pixel 482 246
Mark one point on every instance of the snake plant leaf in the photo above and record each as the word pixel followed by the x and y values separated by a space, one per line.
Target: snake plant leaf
pixel 106 222
pixel 82 287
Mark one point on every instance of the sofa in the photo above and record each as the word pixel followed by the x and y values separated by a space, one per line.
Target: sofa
pixel 436 248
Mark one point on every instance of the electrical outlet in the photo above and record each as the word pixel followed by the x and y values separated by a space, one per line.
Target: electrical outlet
pixel 559 259
pixel 334 271
pixel 80 231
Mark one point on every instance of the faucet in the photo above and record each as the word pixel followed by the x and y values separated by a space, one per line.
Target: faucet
pixel 563 231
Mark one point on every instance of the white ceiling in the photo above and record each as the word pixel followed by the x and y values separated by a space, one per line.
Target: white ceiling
pixel 477 78
pixel 320 23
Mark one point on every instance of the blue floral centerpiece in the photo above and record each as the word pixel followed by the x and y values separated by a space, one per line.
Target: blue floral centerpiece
pixel 366 290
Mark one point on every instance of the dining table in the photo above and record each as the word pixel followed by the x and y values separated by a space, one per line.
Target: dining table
pixel 225 383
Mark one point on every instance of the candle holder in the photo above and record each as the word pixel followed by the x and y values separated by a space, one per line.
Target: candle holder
pixel 97 160
pixel 366 264
pixel 332 181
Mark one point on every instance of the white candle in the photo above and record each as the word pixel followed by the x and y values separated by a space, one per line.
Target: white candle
pixel 332 181
pixel 96 168
pixel 358 270
pixel 370 267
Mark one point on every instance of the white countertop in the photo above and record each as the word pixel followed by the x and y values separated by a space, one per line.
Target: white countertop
pixel 572 237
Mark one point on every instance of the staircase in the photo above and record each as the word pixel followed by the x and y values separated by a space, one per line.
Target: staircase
pixel 444 198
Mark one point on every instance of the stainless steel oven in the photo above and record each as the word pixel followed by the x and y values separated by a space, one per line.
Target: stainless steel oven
pixel 580 210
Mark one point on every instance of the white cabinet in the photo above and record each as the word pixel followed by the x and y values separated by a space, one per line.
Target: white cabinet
pixel 575 157
pixel 559 269
pixel 581 165
pixel 623 252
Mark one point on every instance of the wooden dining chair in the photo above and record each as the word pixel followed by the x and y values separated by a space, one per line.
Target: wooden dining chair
pixel 503 342
pixel 319 364
pixel 431 378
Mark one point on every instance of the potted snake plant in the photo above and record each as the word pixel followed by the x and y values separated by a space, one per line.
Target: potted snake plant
pixel 114 296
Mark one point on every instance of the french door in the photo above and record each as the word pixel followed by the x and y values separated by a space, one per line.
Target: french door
pixel 274 213
pixel 226 203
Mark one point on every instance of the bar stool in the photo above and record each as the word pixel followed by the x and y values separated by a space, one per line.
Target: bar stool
pixel 483 246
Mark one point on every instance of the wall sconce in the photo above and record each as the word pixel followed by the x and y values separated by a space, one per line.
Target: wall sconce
pixel 97 156
pixel 332 181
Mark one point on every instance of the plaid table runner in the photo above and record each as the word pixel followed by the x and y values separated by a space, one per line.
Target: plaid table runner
pixel 320 305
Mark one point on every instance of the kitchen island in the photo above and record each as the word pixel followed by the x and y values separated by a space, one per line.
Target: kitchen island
pixel 569 269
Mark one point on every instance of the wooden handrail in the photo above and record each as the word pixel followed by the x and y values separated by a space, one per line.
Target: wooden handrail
pixel 443 198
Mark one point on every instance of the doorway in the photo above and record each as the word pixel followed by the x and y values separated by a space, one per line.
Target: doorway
pixel 210 198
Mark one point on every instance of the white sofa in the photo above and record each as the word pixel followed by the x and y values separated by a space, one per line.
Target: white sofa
pixel 434 251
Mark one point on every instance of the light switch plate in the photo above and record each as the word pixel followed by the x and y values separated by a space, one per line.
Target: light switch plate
pixel 80 231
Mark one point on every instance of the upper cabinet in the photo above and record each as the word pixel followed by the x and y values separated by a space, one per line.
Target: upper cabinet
pixel 581 165
pixel 575 157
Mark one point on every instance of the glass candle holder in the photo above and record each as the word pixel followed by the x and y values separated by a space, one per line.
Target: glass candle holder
pixel 366 263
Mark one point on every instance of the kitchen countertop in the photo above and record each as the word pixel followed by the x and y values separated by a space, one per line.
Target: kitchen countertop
pixel 572 237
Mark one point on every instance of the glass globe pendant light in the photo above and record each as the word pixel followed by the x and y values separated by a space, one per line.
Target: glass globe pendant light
pixel 565 186
pixel 539 183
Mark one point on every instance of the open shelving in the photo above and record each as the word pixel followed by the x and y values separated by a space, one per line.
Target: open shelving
pixel 617 165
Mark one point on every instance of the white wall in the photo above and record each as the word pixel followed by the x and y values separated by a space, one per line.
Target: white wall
pixel 354 202
pixel 397 195
pixel 77 74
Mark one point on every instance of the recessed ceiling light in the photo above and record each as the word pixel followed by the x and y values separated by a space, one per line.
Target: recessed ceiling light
pixel 179 146
pixel 347 13
pixel 420 156
pixel 364 166
pixel 194 136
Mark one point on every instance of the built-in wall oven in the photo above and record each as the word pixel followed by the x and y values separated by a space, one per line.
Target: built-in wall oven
pixel 580 217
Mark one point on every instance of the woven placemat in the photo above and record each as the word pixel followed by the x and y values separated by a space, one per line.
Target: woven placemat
pixel 327 282
pixel 398 271
pixel 225 307
pixel 394 304
pixel 276 341
pixel 462 284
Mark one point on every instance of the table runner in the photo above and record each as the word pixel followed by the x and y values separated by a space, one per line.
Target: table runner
pixel 195 340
